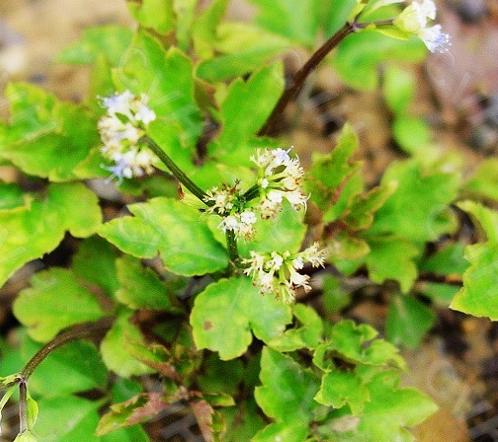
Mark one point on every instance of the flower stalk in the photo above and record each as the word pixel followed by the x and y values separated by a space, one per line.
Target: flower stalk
pixel 175 170
pixel 296 84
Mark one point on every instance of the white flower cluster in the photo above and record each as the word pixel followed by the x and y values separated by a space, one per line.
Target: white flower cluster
pixel 416 19
pixel 278 273
pixel 120 129
pixel 225 201
pixel 280 177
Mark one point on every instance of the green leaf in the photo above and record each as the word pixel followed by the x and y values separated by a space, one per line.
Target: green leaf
pixel 358 56
pixel 484 182
pixel 412 134
pixel 484 217
pixel 204 30
pixel 256 97
pixel 167 78
pixel 130 434
pixel 308 335
pixel 392 258
pixel 115 349
pixel 408 321
pixel 440 293
pixel 390 411
pixel 67 418
pixel 178 232
pixel 95 262
pixel 364 206
pixel 225 313
pixel 398 88
pixel 77 209
pixel 340 388
pixel 26 436
pixel 286 395
pixel 294 20
pixel 78 365
pixel 109 41
pixel 358 344
pixel 419 209
pixel 140 287
pixel 55 301
pixel 157 15
pixel 284 233
pixel 185 11
pixel 31 411
pixel 47 137
pixel 329 171
pixel 479 296
pixel 244 48
pixel 221 376
pixel 136 410
pixel 287 431
pixel 11 196
pixel 335 14
pixel 242 422
pixel 335 297
pixel 447 261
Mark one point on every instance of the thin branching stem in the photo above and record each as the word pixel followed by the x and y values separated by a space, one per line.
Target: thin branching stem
pixel 175 170
pixel 23 406
pixel 80 331
pixel 296 84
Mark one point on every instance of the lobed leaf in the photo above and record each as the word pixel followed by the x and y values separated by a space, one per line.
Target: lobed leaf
pixel 55 301
pixel 226 312
pixel 116 351
pixel 178 232
pixel 478 295
pixel 28 232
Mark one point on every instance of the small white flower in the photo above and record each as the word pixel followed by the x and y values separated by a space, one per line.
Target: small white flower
pixel 120 130
pixel 435 39
pixel 220 200
pixel 145 114
pixel 242 224
pixel 416 18
pixel 277 273
pixel 248 217
pixel 314 255
pixel 118 103
pixel 280 177
pixel 230 223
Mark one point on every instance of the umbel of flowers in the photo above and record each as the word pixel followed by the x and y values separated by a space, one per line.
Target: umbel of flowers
pixel 278 273
pixel 125 122
pixel 279 178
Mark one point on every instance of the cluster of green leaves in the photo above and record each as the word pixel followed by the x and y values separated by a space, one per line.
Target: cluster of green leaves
pixel 248 366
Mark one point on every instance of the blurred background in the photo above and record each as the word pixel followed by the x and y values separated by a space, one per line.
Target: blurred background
pixel 455 105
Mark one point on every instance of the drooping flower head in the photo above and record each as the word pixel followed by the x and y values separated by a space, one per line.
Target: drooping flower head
pixel 124 123
pixel 279 177
pixel 278 273
pixel 416 18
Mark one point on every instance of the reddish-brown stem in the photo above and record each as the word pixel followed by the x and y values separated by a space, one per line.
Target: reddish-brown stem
pixel 296 84
pixel 79 331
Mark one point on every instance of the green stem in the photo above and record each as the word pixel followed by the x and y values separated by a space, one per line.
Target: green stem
pixel 233 252
pixel 251 193
pixel 175 170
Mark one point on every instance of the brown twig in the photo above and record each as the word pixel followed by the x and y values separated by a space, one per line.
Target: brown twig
pixel 80 331
pixel 296 84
